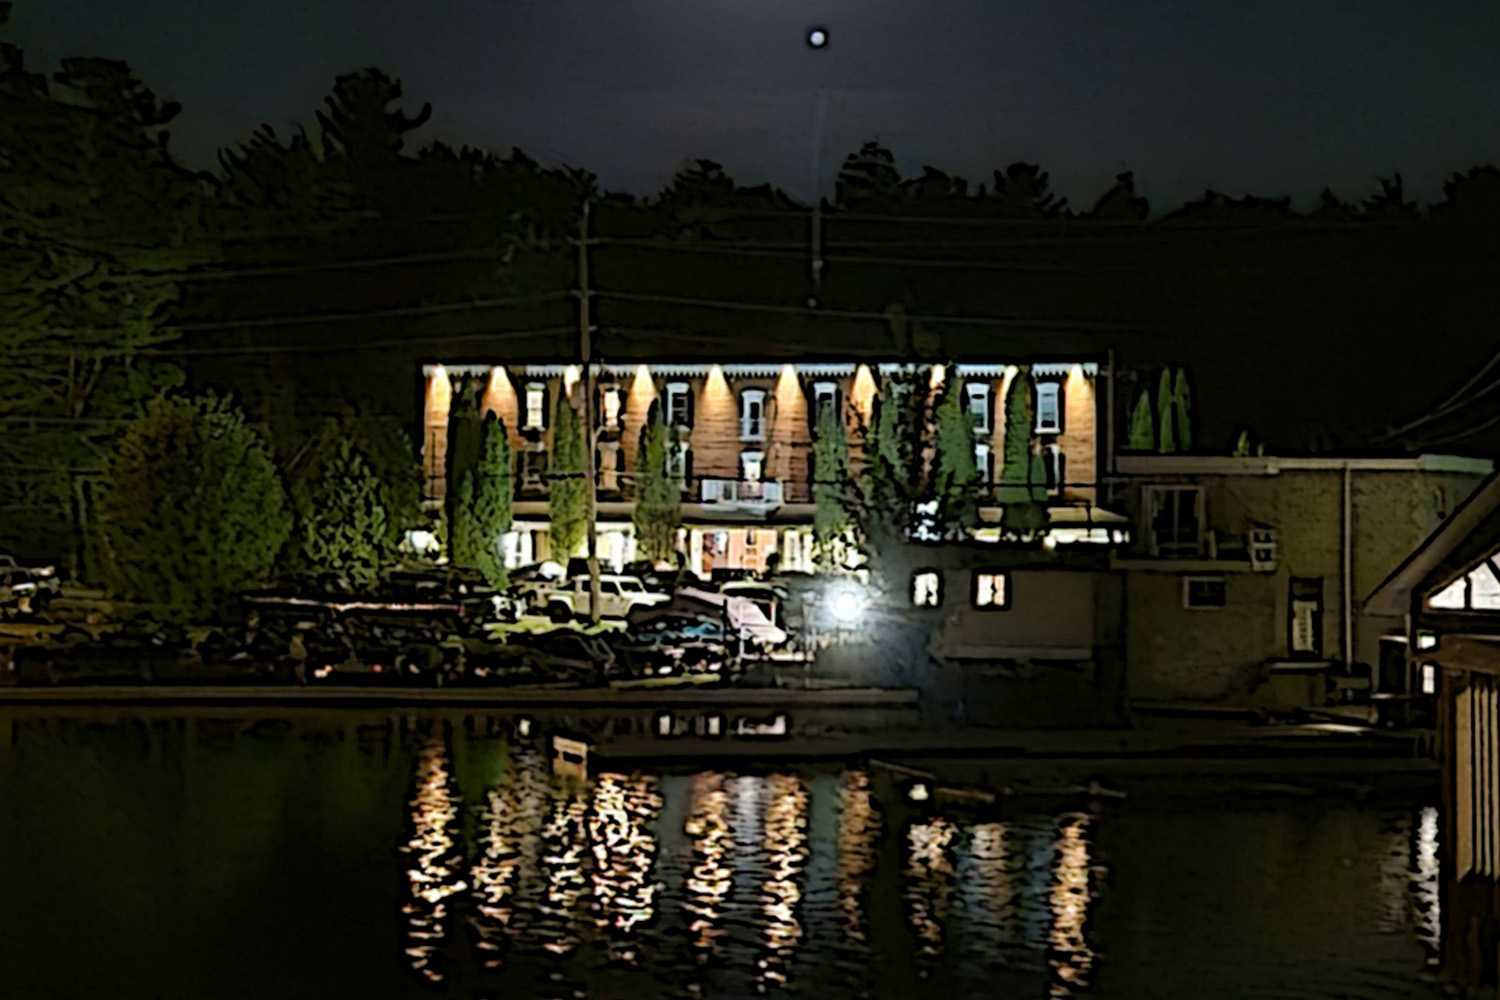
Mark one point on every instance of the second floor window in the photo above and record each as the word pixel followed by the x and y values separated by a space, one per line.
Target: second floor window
pixel 680 463
pixel 753 415
pixel 1175 524
pixel 825 394
pixel 536 406
pixel 1048 408
pixel 679 399
pixel 979 406
pixel 610 407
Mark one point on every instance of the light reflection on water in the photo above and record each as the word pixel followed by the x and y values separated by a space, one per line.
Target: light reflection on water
pixel 452 862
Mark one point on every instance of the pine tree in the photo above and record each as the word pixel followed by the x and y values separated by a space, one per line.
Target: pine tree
pixel 956 477
pixel 1167 443
pixel 193 507
pixel 463 527
pixel 1182 404
pixel 348 532
pixel 490 490
pixel 1142 434
pixel 1015 474
pixel 831 483
pixel 567 497
pixel 657 495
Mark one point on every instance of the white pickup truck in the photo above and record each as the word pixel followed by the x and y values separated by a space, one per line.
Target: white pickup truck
pixel 617 595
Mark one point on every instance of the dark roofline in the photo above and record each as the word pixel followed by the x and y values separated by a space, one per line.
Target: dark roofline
pixel 1427 558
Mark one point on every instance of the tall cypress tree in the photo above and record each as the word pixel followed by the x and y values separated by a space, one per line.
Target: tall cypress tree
pixel 1016 473
pixel 567 499
pixel 657 496
pixel 1165 409
pixel 486 498
pixel 1142 434
pixel 956 478
pixel 1182 404
pixel 831 483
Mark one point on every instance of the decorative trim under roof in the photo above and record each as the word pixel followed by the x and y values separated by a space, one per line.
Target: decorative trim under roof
pixel 767 370
pixel 1219 465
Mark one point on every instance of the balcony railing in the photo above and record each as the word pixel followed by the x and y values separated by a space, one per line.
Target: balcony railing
pixel 766 492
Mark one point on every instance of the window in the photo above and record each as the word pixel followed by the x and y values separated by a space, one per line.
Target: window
pixel 979 406
pixel 611 407
pixel 679 404
pixel 1478 590
pixel 927 589
pixel 991 590
pixel 1305 617
pixel 609 463
pixel 680 463
pixel 753 415
pixel 1053 460
pixel 533 469
pixel 1203 592
pixel 1049 407
pixel 824 394
pixel 982 462
pixel 751 464
pixel 1429 678
pixel 1175 523
pixel 536 406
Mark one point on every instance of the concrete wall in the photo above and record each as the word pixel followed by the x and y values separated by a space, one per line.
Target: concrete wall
pixel 1176 652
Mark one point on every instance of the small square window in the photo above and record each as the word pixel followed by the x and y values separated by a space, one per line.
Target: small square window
pixel 1203 592
pixel 992 590
pixel 927 589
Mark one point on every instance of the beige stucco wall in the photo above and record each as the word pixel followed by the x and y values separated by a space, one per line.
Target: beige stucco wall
pixel 1174 652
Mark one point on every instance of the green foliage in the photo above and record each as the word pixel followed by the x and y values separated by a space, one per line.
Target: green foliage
pixel 1182 407
pixel 1142 433
pixel 657 496
pixel 1020 419
pixel 344 526
pixel 193 507
pixel 322 468
pixel 1166 442
pixel 493 501
pixel 869 181
pixel 567 497
pixel 463 527
pixel 892 482
pixel 956 479
pixel 1242 445
pixel 1026 519
pixel 831 484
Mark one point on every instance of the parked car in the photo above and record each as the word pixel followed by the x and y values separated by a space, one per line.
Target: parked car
pixel 618 595
pixel 566 655
pixel 32 584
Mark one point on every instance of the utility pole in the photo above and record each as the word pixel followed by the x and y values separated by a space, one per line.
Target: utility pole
pixel 591 433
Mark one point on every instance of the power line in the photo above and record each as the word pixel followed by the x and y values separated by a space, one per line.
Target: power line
pixel 855 314
pixel 370 314
pixel 302 348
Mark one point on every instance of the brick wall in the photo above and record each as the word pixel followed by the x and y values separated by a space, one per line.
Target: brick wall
pixel 1079 440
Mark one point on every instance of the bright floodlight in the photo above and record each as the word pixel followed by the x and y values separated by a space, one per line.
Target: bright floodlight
pixel 847 606
pixel 918 792
pixel 817 38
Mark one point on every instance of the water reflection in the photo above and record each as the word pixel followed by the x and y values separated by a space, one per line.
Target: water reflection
pixel 785 839
pixel 930 877
pixel 1425 885
pixel 436 865
pixel 560 917
pixel 508 848
pixel 624 852
pixel 859 826
pixel 1070 954
pixel 710 877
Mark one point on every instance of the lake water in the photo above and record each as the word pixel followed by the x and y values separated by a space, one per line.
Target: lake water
pixel 313 856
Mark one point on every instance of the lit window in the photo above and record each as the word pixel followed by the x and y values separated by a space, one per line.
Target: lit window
pixel 1426 640
pixel 1306 612
pixel 611 408
pixel 679 404
pixel 679 463
pixel 1199 592
pixel 991 590
pixel 536 405
pixel 1451 597
pixel 982 462
pixel 1053 458
pixel 1429 678
pixel 752 415
pixel 751 463
pixel 1048 407
pixel 1484 589
pixel 927 589
pixel 609 463
pixel 825 394
pixel 1175 522
pixel 979 405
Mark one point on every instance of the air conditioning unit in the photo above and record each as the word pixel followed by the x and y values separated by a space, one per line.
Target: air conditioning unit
pixel 1265 549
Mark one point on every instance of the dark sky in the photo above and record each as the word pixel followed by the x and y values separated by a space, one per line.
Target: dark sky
pixel 1266 96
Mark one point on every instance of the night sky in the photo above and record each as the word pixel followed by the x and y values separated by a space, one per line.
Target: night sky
pixel 1270 97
